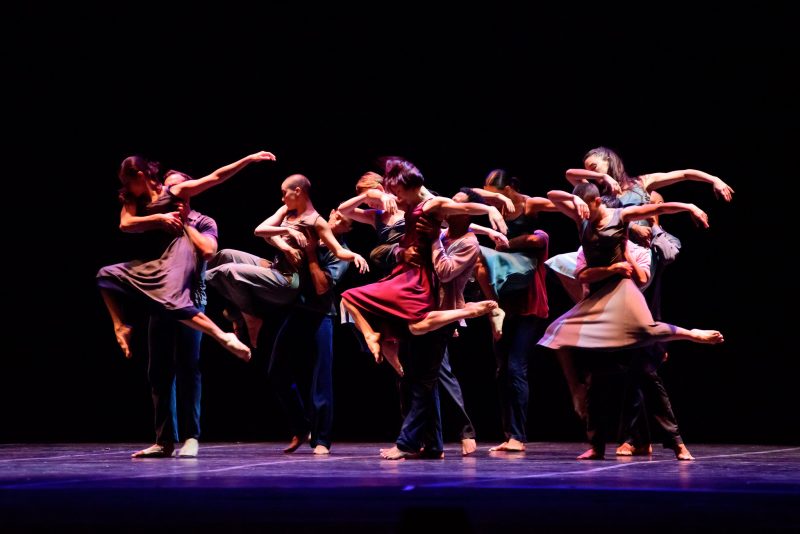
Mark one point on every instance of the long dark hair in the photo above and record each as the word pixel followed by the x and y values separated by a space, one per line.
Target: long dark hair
pixel 499 178
pixel 616 169
pixel 130 168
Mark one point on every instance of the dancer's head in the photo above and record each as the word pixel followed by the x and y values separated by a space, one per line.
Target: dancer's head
pixel 606 161
pixel 339 224
pixel 138 176
pixel 173 177
pixel 403 180
pixel 588 192
pixel 460 223
pixel 500 181
pixel 370 180
pixel 295 189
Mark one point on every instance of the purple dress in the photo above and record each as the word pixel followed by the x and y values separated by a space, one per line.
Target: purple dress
pixel 165 283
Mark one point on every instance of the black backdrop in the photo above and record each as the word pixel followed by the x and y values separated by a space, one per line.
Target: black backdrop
pixel 328 92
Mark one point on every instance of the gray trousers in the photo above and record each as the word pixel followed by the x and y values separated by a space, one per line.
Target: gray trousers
pixel 241 279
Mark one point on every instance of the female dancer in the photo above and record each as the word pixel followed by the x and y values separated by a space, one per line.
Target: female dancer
pixel 405 296
pixel 615 314
pixel 165 281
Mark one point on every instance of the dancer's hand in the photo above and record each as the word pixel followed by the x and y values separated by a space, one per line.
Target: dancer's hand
pixel 581 208
pixel 293 256
pixel 299 237
pixel 262 156
pixel 171 222
pixel 699 215
pixel 612 184
pixel 412 256
pixel 721 189
pixel 498 223
pixel 500 241
pixel 641 235
pixel 361 263
pixel 426 228
pixel 622 268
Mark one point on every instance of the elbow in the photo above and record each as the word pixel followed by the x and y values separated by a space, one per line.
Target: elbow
pixel 125 227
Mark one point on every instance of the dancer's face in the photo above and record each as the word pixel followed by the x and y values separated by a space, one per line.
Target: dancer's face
pixel 137 185
pixel 290 195
pixel 596 163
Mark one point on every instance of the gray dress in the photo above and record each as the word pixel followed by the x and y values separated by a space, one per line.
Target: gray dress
pixel 615 314
pixel 166 282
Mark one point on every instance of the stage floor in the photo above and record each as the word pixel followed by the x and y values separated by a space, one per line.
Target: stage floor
pixel 236 487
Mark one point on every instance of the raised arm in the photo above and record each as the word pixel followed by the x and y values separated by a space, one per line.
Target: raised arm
pixel 190 188
pixel 658 180
pixel 498 200
pixel 578 176
pixel 445 206
pixel 645 211
pixel 350 208
pixel 570 205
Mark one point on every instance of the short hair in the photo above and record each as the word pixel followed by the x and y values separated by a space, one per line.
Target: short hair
pixel 298 180
pixel 369 180
pixel 180 177
pixel 586 191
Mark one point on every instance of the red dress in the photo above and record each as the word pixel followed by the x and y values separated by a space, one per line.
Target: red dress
pixel 406 293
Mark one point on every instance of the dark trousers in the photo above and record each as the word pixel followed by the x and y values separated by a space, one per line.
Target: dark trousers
pixel 291 341
pixel 175 381
pixel 605 378
pixel 448 383
pixel 647 399
pixel 511 356
pixel 421 357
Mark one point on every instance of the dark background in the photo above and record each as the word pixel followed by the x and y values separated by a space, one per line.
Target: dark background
pixel 458 94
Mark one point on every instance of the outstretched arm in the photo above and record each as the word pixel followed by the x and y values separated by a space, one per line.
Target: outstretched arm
pixel 658 180
pixel 498 200
pixel 570 205
pixel 350 208
pixel 190 188
pixel 578 176
pixel 645 211
pixel 444 206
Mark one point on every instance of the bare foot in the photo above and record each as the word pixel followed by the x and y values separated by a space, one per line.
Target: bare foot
pixel 592 454
pixel 390 354
pixel 711 337
pixel 374 345
pixel 682 453
pixel 239 349
pixel 253 324
pixel 496 318
pixel 511 445
pixel 294 444
pixel 239 326
pixel 396 454
pixel 468 446
pixel 321 449
pixel 123 333
pixel 155 451
pixel 476 309
pixel 626 449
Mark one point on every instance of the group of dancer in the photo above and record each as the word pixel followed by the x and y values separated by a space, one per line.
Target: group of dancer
pixel 426 253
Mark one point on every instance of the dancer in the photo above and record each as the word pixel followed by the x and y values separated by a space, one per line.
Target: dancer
pixel 248 282
pixel 173 369
pixel 614 315
pixel 511 266
pixel 605 168
pixel 314 311
pixel 403 301
pixel 455 251
pixel 164 282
